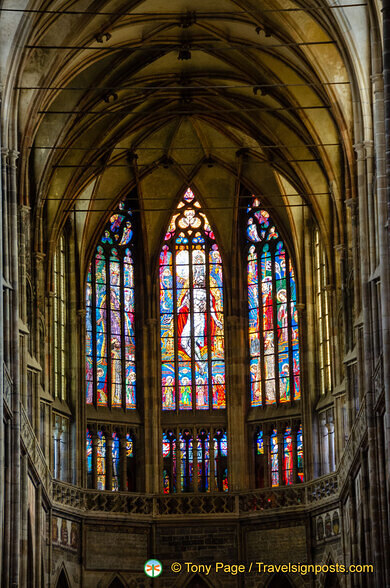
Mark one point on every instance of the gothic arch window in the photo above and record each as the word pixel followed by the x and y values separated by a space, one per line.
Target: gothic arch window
pixel 273 321
pixel 191 310
pixel 110 339
pixel 192 352
pixel 59 321
pixel 322 314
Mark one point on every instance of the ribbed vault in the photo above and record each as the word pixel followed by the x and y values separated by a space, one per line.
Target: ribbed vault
pixel 154 96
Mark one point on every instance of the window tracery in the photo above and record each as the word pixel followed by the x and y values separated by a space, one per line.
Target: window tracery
pixel 273 317
pixel 110 337
pixel 191 310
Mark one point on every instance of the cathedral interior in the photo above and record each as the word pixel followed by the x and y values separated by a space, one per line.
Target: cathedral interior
pixel 195 290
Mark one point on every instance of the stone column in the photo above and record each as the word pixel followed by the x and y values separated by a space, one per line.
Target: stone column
pixel 236 399
pixel 267 459
pixel 213 486
pixel 375 514
pixel 108 460
pixel 294 454
pixel 195 456
pixel 178 462
pixel 381 87
pixel 123 463
pixel 152 406
pixel 79 472
pixel 15 369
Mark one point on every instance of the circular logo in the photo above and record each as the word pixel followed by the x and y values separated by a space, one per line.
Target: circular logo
pixel 153 568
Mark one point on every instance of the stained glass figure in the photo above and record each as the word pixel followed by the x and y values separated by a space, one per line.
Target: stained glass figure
pixel 115 461
pixel 89 459
pixel 191 311
pixel 273 322
pixel 203 457
pixel 260 443
pixel 186 462
pixel 109 298
pixel 169 462
pixel 220 461
pixel 300 455
pixel 274 448
pixel 101 461
pixel 287 458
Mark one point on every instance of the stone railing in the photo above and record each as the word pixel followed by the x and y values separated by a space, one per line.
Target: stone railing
pixel 34 451
pixel 230 504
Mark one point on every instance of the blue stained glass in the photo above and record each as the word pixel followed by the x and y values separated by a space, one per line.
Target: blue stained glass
pixel 115 461
pixel 191 311
pixel 89 452
pixel 113 281
pixel 260 444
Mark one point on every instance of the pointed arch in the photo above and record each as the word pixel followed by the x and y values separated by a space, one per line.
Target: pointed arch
pixel 191 312
pixel 63 581
pixel 280 581
pixel 110 316
pixel 273 320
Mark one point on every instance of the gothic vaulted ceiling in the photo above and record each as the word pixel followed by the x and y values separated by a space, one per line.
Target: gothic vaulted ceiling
pixel 117 95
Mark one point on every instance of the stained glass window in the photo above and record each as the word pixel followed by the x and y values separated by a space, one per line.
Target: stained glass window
pixel 169 462
pixel 274 449
pixel 220 461
pixel 89 459
pixel 186 461
pixel 260 443
pixel 115 461
pixel 273 321
pixel 322 311
pixel 287 457
pixel 110 340
pixel 300 454
pixel 101 461
pixel 203 461
pixel 59 309
pixel 191 309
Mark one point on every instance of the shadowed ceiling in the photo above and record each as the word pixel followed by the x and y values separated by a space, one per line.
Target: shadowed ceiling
pixel 151 95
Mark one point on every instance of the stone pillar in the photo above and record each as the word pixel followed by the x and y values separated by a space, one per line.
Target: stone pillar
pixel 15 369
pixel 375 514
pixel 294 454
pixel 236 399
pixel 152 406
pixel 109 441
pixel 381 87
pixel 123 463
pixel 195 456
pixel 213 486
pixel 79 471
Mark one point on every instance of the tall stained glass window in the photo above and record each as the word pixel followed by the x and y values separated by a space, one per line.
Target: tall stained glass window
pixel 300 455
pixel 274 458
pixel 110 342
pixel 322 311
pixel 273 322
pixel 191 309
pixel 59 311
pixel 287 457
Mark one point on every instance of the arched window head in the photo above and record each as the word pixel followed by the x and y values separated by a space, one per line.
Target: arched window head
pixel 273 322
pixel 191 308
pixel 110 341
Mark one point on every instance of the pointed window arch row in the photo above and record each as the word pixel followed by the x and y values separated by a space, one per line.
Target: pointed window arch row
pixel 191 313
pixel 273 317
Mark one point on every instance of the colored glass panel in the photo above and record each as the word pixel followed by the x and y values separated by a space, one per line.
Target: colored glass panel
pixel 101 461
pixel 115 461
pixel 89 453
pixel 287 458
pixel 300 454
pixel 203 458
pixel 274 448
pixel 260 443
pixel 273 334
pixel 191 313
pixel 110 340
